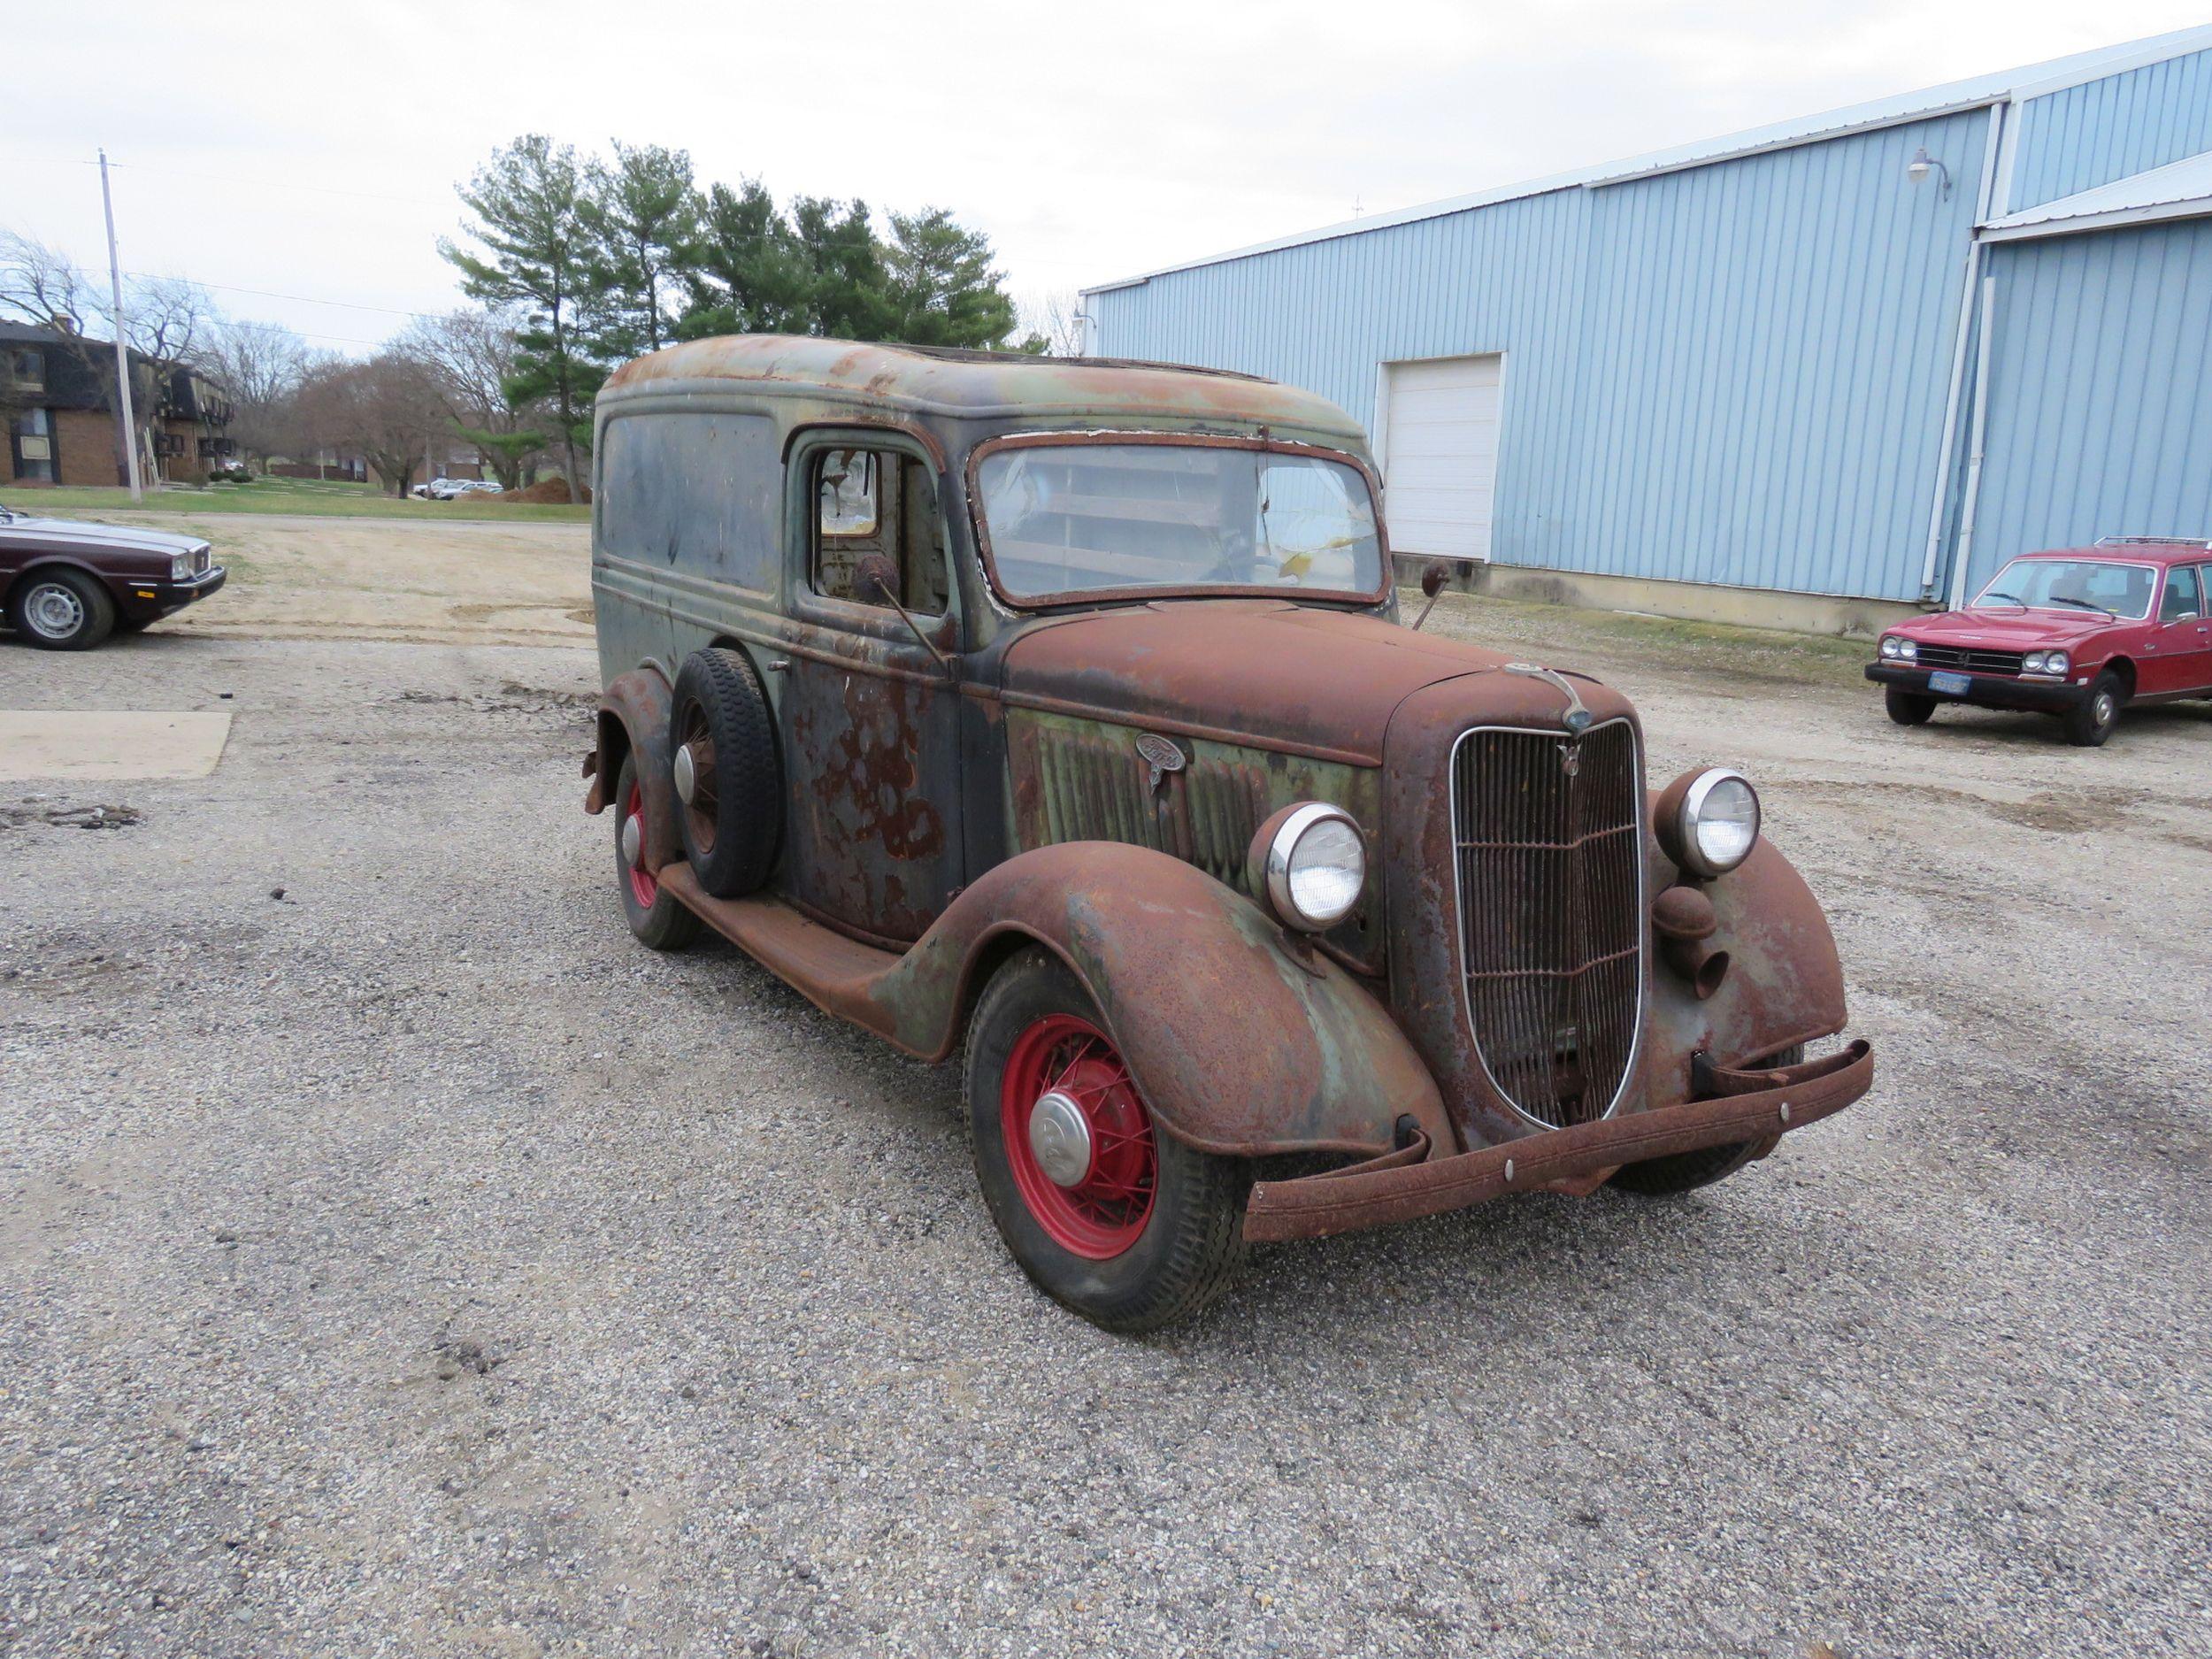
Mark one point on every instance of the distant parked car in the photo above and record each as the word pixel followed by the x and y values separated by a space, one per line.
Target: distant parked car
pixel 437 489
pixel 66 586
pixel 2080 633
pixel 483 486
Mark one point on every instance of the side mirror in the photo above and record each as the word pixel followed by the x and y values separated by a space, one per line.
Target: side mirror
pixel 875 575
pixel 1434 578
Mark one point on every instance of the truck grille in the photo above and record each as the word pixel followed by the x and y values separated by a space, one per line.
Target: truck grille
pixel 1549 848
pixel 1972 662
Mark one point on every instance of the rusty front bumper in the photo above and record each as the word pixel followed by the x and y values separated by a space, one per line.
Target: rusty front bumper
pixel 1743 1106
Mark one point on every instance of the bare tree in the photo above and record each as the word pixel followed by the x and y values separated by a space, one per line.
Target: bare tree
pixel 472 357
pixel 385 409
pixel 1057 318
pixel 261 365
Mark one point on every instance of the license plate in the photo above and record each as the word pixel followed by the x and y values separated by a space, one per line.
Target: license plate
pixel 1950 684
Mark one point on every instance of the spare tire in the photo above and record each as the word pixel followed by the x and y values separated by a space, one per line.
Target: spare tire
pixel 722 745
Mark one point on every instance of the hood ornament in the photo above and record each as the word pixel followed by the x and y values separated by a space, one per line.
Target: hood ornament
pixel 1162 756
pixel 1577 717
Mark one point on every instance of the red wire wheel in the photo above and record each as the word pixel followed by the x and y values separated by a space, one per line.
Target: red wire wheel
pixel 1103 1213
pixel 644 886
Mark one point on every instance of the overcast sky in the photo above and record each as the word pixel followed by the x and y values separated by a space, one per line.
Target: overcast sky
pixel 263 150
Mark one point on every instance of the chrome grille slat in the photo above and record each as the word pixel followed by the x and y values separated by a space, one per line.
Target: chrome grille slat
pixel 1549 867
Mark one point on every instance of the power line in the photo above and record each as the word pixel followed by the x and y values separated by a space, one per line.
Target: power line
pixel 271 294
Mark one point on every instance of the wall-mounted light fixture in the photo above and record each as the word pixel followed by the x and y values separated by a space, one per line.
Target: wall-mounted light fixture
pixel 1922 164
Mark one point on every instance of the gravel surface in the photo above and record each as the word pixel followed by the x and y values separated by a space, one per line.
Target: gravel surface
pixel 396 1259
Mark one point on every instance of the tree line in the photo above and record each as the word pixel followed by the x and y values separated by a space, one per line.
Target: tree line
pixel 576 263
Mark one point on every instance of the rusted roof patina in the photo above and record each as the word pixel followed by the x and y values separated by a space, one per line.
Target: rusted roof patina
pixel 979 384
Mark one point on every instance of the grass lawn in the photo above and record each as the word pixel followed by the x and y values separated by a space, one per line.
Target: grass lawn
pixel 317 497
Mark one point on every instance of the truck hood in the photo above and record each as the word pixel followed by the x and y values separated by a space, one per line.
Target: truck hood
pixel 62 533
pixel 1286 676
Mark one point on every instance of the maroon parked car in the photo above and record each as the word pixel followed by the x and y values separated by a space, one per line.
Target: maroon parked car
pixel 2080 633
pixel 66 586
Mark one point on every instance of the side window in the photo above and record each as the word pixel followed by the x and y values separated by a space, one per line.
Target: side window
pixel 698 493
pixel 2184 597
pixel 882 502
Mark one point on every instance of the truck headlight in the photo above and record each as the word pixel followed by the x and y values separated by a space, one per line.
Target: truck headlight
pixel 1892 645
pixel 181 567
pixel 1708 822
pixel 2046 662
pixel 1312 864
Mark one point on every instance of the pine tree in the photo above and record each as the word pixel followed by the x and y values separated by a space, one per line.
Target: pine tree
pixel 527 203
pixel 642 216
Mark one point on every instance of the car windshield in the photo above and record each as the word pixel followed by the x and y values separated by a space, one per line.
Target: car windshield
pixel 1067 519
pixel 2076 585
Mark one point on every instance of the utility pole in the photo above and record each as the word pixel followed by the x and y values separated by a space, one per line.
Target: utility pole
pixel 122 352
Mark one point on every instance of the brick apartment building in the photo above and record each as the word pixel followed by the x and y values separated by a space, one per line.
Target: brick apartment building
pixel 56 396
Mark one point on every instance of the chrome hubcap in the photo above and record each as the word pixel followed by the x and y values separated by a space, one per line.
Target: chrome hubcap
pixel 54 611
pixel 1060 1139
pixel 633 840
pixel 686 775
pixel 2104 709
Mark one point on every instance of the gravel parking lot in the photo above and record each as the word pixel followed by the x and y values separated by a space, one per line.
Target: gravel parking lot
pixel 398 1260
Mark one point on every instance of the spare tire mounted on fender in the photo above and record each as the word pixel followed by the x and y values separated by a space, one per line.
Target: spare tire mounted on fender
pixel 722 744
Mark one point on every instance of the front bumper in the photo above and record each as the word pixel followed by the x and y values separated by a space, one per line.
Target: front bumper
pixel 148 600
pixel 1759 1106
pixel 1987 691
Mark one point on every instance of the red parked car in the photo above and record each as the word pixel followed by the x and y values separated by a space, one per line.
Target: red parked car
pixel 2080 633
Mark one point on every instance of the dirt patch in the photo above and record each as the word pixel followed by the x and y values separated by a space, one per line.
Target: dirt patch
pixel 547 491
pixel 92 817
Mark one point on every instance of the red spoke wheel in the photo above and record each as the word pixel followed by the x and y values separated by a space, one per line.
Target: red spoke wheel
pixel 1078 1137
pixel 1104 1207
pixel 653 913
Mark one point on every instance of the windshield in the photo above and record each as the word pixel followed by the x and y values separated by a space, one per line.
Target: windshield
pixel 1066 519
pixel 2083 586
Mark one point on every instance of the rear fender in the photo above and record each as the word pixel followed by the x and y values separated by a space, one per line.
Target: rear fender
pixel 1241 1045
pixel 634 719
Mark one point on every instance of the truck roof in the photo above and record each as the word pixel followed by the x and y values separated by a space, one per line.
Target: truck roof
pixel 2141 549
pixel 983 384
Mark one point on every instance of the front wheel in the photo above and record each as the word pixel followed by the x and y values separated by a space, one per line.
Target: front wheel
pixel 62 610
pixel 1110 1216
pixel 1685 1171
pixel 1908 708
pixel 2090 721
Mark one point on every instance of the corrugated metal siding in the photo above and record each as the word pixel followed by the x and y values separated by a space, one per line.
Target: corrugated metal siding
pixel 2107 129
pixel 1734 373
pixel 2101 392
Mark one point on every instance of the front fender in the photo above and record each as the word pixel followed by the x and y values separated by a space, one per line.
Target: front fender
pixel 1784 985
pixel 634 714
pixel 1239 1046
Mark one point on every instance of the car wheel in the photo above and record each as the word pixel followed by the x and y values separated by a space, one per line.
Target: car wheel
pixel 2091 720
pixel 62 610
pixel 1908 708
pixel 1109 1216
pixel 723 747
pixel 1684 1172
pixel 653 912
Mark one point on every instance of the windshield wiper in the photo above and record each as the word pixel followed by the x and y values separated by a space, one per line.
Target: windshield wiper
pixel 2014 597
pixel 2068 599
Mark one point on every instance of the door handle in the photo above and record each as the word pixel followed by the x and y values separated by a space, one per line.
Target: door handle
pixel 780 665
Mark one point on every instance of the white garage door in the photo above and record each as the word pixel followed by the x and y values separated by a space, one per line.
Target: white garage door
pixel 1441 454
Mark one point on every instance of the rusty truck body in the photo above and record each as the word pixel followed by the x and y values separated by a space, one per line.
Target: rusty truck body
pixel 1061 709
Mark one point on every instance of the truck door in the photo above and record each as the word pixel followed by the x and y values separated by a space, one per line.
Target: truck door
pixel 869 713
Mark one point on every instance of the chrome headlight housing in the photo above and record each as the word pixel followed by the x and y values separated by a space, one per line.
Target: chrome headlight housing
pixel 181 567
pixel 1892 645
pixel 2046 662
pixel 1312 865
pixel 1708 822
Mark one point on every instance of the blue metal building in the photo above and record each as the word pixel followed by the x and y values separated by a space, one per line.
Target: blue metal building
pixel 1868 355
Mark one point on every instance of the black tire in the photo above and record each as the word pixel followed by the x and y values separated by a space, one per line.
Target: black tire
pixel 652 911
pixel 1193 1237
pixel 1685 1171
pixel 731 826
pixel 2091 720
pixel 61 611
pixel 1908 708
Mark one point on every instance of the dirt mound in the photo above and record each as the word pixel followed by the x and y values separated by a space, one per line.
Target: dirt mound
pixel 553 490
